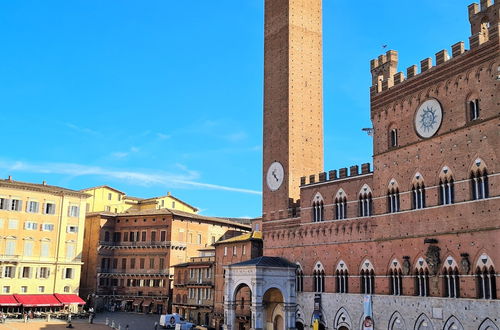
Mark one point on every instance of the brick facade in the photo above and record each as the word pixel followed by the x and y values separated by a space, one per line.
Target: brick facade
pixel 424 222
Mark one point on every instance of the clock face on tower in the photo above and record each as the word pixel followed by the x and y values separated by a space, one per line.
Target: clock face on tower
pixel 428 118
pixel 275 175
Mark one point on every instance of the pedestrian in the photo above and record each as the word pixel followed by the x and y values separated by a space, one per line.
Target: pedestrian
pixel 156 325
pixel 4 318
pixel 1 317
pixel 25 317
pixel 126 327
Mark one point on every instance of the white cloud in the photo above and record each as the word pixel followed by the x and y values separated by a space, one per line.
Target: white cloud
pixel 188 178
pixel 81 129
pixel 236 137
pixel 163 136
pixel 123 154
pixel 119 154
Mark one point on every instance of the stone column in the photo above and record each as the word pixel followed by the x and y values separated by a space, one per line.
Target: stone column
pixel 229 315
pixel 257 316
pixel 290 310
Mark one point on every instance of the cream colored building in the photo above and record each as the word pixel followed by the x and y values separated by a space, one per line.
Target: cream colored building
pixel 41 238
pixel 109 199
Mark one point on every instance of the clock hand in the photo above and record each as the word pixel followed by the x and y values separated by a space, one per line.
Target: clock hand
pixel 274 174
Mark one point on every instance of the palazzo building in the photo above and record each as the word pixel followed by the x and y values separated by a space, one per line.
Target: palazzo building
pixel 417 236
pixel 129 257
pixel 108 199
pixel 193 292
pixel 41 238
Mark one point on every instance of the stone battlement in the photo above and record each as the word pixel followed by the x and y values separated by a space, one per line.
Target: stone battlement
pixel 333 175
pixel 484 20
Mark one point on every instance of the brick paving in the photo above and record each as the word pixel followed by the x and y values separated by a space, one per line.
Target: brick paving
pixel 134 321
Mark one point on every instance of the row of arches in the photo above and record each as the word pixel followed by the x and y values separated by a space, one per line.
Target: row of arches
pixel 483 272
pixel 478 181
pixel 344 321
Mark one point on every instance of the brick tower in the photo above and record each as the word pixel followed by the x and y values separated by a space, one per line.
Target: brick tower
pixel 293 101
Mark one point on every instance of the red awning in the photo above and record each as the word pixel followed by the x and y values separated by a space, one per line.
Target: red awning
pixel 37 300
pixel 67 299
pixel 8 300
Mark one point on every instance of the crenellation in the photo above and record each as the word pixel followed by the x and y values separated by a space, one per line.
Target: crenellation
pixel 399 78
pixel 442 56
pixel 425 64
pixel 333 175
pixel 485 4
pixel 412 71
pixel 322 177
pixel 484 21
pixel 475 41
pixel 473 9
pixel 383 68
pixel 458 49
pixel 485 26
pixel 354 170
pixel 365 168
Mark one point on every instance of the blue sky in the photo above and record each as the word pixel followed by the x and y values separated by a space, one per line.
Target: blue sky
pixel 157 96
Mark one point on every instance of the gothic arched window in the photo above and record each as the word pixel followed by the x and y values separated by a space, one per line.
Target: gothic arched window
pixel 446 187
pixel 341 278
pixel 367 278
pixel 396 278
pixel 365 202
pixel 319 278
pixel 418 192
pixel 299 279
pixel 479 180
pixel 393 197
pixel 318 211
pixel 393 138
pixel 451 279
pixel 474 109
pixel 340 205
pixel 422 278
pixel 485 277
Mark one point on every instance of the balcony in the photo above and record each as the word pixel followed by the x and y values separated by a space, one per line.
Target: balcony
pixel 174 245
pixel 16 258
pixel 107 272
pixel 203 282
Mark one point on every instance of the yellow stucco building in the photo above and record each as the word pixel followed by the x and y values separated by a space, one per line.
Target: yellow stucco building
pixel 109 199
pixel 41 238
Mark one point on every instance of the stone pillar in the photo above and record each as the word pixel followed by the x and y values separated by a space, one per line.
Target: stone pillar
pixel 257 316
pixel 229 315
pixel 289 316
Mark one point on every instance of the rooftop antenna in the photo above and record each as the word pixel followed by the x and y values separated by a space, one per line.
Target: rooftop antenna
pixel 368 131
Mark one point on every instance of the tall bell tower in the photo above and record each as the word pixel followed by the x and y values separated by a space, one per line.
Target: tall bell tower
pixel 293 101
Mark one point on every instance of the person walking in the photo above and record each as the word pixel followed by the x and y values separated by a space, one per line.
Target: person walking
pixel 91 315
pixel 25 317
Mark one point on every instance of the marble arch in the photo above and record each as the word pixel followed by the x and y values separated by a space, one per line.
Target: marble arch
pixel 263 275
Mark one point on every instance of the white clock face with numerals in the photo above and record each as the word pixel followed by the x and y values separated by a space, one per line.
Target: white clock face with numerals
pixel 275 175
pixel 428 118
